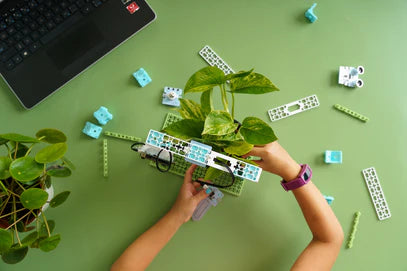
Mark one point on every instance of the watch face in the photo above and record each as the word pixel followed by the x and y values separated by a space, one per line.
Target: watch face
pixel 307 174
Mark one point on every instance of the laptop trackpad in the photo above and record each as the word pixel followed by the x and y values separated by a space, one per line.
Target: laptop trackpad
pixel 74 44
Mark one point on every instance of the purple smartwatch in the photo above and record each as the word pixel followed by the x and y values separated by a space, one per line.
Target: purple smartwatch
pixel 303 178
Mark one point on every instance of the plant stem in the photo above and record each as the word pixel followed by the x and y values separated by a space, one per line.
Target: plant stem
pixel 5 204
pixel 12 212
pixel 46 224
pixel 15 152
pixel 22 187
pixel 29 150
pixel 15 217
pixel 9 151
pixel 21 218
pixel 224 98
pixel 233 105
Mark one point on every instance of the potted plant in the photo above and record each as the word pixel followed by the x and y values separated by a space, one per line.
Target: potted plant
pixel 26 191
pixel 218 128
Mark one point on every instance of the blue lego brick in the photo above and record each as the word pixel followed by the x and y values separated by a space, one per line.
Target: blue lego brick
pixel 198 154
pixel 247 171
pixel 92 130
pixel 333 157
pixel 142 77
pixel 171 96
pixel 329 199
pixel 103 115
pixel 309 14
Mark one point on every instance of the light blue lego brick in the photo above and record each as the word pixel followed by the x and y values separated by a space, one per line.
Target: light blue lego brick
pixel 155 138
pixel 142 77
pixel 333 157
pixel 171 96
pixel 103 115
pixel 309 14
pixel 198 153
pixel 329 199
pixel 246 171
pixel 92 130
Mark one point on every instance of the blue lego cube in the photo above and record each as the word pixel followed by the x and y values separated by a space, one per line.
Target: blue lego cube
pixel 198 154
pixel 92 130
pixel 142 77
pixel 329 199
pixel 333 157
pixel 171 96
pixel 309 14
pixel 102 115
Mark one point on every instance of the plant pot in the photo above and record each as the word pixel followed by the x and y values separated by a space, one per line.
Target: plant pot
pixel 5 224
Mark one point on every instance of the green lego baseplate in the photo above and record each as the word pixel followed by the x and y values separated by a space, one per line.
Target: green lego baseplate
pixel 179 166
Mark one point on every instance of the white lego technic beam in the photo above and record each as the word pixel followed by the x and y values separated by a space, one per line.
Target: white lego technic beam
pixel 213 59
pixel 303 104
pixel 376 193
pixel 202 155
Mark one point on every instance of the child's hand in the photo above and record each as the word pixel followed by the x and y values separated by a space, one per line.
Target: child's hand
pixel 188 197
pixel 275 159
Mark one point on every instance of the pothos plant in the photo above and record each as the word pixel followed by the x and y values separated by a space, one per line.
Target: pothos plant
pixel 218 128
pixel 24 182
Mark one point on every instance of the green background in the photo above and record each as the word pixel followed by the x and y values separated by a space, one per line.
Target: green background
pixel 263 229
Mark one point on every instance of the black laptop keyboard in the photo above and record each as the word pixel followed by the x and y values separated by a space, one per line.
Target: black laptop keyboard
pixel 33 23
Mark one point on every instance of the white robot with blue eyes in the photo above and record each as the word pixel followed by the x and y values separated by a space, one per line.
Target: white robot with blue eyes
pixel 349 76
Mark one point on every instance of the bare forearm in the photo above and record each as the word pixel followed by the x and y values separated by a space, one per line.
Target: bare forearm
pixel 142 251
pixel 319 216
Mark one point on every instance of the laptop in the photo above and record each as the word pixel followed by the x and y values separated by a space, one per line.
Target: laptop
pixel 46 43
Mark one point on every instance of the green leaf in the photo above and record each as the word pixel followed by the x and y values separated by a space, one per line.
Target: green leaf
pixel 51 136
pixel 50 243
pixel 59 171
pixel 29 239
pixel 68 162
pixel 2 187
pixel 43 229
pixel 185 129
pixel 219 123
pixel 51 153
pixel 191 110
pixel 14 255
pixel 4 167
pixel 212 173
pixel 3 141
pixel 239 148
pixel 257 132
pixel 206 101
pixel 205 79
pixel 22 227
pixel 6 240
pixel 238 75
pixel 33 198
pixel 19 138
pixel 222 141
pixel 59 199
pixel 21 150
pixel 254 83
pixel 25 169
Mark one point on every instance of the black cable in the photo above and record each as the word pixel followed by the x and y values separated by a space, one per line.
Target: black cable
pixel 157 160
pixel 218 185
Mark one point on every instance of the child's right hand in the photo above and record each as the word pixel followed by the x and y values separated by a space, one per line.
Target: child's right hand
pixel 275 159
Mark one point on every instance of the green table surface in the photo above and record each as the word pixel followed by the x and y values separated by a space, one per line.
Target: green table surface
pixel 263 229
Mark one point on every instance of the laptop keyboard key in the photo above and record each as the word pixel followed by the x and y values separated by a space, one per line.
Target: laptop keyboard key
pixel 19 46
pixel 86 9
pixel 11 30
pixel 58 19
pixel 25 53
pixel 3 35
pixel 8 54
pixel 35 46
pixel 50 25
pixel 18 25
pixel 18 36
pixel 73 8
pixel 66 13
pixel 27 40
pixel 43 30
pixel 3 47
pixel 35 35
pixel 41 20
pixel 10 65
pixel 17 59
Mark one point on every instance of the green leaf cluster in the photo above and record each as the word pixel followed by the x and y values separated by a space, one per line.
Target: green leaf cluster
pixel 218 128
pixel 23 182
